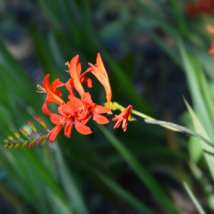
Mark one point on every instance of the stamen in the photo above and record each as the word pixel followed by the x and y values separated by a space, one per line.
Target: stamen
pixel 40 89
pixel 81 109
pixel 67 63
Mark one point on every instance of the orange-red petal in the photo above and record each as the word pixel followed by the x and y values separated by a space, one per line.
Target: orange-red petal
pixel 45 109
pixel 56 119
pixel 74 70
pixel 100 119
pixel 82 129
pixel 75 103
pixel 54 133
pixel 57 83
pixel 100 73
pixel 101 109
pixel 123 117
pixel 66 109
pixel 70 86
pixel 68 128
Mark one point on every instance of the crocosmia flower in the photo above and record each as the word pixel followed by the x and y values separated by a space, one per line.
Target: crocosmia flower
pixel 123 117
pixel 78 111
pixel 70 116
pixel 53 95
pixel 100 73
pixel 91 109
pixel 76 80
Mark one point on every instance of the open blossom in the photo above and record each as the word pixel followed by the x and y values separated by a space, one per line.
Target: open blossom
pixel 76 80
pixel 123 117
pixel 69 116
pixel 53 95
pixel 91 109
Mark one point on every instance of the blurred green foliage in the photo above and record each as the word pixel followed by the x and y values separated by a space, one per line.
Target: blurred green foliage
pixel 80 174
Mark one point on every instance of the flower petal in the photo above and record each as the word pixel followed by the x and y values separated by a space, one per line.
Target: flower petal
pixel 74 70
pixel 82 129
pixel 75 103
pixel 86 119
pixel 56 119
pixel 87 98
pixel 124 125
pixel 100 119
pixel 57 83
pixel 45 109
pixel 87 81
pixel 68 128
pixel 46 83
pixel 54 133
pixel 101 109
pixel 101 74
pixel 100 65
pixel 117 124
pixel 66 109
pixel 70 86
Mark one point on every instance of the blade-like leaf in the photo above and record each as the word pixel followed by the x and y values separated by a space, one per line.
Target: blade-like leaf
pixel 141 172
pixel 194 200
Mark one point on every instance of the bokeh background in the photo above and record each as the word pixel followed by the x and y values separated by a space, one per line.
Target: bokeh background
pixel 155 51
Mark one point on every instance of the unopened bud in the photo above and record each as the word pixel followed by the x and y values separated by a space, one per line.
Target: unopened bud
pixel 24 133
pixel 18 136
pixel 17 145
pixel 40 120
pixel 25 144
pixel 11 138
pixel 32 144
pixel 11 146
pixel 41 139
pixel 32 126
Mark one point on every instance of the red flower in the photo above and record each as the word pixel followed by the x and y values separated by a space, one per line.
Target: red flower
pixel 100 73
pixel 76 80
pixel 90 109
pixel 70 116
pixel 53 95
pixel 123 117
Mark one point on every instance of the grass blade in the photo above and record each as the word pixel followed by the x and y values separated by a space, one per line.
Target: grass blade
pixel 194 200
pixel 141 172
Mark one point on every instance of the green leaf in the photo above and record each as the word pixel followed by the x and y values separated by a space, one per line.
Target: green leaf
pixel 141 172
pixel 124 195
pixel 181 128
pixel 69 183
pixel 198 206
pixel 200 130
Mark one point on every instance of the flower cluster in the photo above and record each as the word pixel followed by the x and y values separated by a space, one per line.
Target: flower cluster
pixel 202 6
pixel 77 111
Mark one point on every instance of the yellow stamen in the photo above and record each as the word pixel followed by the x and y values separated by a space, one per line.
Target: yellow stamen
pixel 40 89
